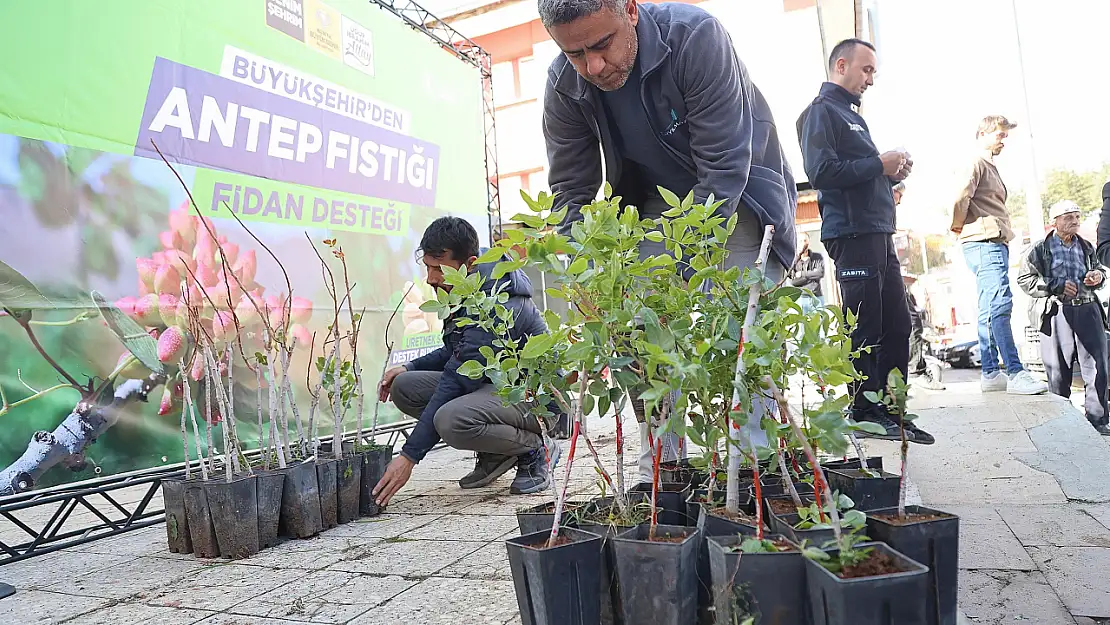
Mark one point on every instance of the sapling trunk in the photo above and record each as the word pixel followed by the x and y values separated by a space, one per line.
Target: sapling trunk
pixel 275 392
pixel 193 417
pixel 819 482
pixel 560 503
pixel 287 394
pixel 620 452
pixel 263 445
pixel 902 480
pixel 732 500
pixel 377 400
pixel 758 486
pixel 713 462
pixel 358 400
pixel 316 394
pixel 656 461
pixel 184 431
pixel 275 426
pixel 228 398
pixel 860 453
pixel 337 401
pixel 789 481
pixel 231 458
pixel 604 474
pixel 209 416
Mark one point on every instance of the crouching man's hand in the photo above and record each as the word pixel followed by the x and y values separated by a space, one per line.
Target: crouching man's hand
pixel 397 474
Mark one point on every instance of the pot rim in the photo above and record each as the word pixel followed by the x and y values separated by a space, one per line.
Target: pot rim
pixel 732 540
pixel 949 518
pixel 691 533
pixel 583 537
pixel 917 567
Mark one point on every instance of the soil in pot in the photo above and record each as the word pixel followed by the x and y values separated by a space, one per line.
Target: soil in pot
pixel 327 480
pixel 270 487
pixel 539 518
pixel 884 589
pixel 374 461
pixel 348 473
pixel 201 531
pixel 868 493
pixel 560 585
pixel 769 587
pixel 177 522
pixel 932 538
pixel 300 501
pixel 234 509
pixel 658 574
pixel 671 500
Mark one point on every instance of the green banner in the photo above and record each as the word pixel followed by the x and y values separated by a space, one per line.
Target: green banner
pixel 308 120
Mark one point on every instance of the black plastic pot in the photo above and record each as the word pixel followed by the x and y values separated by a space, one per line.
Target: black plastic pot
pixel 868 493
pixel 177 522
pixel 807 498
pixel 785 525
pixel 374 462
pixel 658 580
pixel 540 517
pixel 234 509
pixel 300 501
pixel 672 502
pixel 560 585
pixel 873 462
pixel 201 531
pixel 934 543
pixel 893 599
pixel 610 588
pixel 349 485
pixel 682 472
pixel 768 586
pixel 327 480
pixel 270 487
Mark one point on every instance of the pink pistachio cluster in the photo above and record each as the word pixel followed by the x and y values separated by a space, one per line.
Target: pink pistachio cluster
pixel 189 272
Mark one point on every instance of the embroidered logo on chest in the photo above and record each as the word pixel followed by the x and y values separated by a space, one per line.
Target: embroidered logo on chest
pixel 855 127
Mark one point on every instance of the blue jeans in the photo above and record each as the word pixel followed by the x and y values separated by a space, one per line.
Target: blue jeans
pixel 991 264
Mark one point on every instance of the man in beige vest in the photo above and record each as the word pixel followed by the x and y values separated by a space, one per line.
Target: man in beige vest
pixel 982 223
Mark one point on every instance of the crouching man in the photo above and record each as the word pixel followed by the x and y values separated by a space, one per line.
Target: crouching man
pixel 1061 274
pixel 466 413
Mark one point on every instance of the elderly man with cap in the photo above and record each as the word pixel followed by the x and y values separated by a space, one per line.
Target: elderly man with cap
pixel 1061 274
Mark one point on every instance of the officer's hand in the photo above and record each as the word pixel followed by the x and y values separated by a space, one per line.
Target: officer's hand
pixel 396 475
pixel 1071 289
pixel 1093 278
pixel 892 162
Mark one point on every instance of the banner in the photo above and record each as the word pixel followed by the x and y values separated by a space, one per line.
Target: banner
pixel 307 120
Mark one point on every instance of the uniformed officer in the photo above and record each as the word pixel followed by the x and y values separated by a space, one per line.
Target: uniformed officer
pixel 854 181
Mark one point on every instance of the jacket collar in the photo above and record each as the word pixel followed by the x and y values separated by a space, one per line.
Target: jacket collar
pixel 1082 242
pixel 652 52
pixel 834 90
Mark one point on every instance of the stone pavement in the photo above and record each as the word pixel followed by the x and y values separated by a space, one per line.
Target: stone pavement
pixel 1025 474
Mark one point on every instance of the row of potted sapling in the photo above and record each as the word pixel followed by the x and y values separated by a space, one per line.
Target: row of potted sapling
pixel 203 324
pixel 742 533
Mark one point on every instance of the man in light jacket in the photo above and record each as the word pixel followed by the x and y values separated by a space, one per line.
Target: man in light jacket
pixel 982 224
pixel 1061 274
pixel 653 95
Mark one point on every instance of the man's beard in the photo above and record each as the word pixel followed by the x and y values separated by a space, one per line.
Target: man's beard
pixel 633 49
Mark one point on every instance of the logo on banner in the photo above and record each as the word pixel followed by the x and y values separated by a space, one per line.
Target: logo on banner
pixel 358 46
pixel 322 28
pixel 286 16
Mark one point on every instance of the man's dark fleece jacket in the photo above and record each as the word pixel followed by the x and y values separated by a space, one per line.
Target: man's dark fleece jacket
pixel 461 344
pixel 1104 228
pixel 843 164
pixel 705 121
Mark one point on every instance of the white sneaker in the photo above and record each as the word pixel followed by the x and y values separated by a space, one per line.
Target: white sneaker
pixel 994 382
pixel 1024 384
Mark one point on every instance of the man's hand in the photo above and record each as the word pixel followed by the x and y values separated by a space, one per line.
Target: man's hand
pixel 387 382
pixel 1093 279
pixel 907 168
pixel 957 230
pixel 893 162
pixel 1071 289
pixel 396 475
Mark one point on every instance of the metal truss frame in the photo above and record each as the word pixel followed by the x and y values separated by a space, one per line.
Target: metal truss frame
pixel 100 497
pixel 465 49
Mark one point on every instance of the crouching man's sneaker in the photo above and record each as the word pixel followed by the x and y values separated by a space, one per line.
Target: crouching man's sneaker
pixel 994 382
pixel 532 474
pixel 877 414
pixel 1024 384
pixel 487 468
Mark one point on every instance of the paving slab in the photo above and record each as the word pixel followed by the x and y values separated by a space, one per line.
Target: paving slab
pixel 489 562
pixel 239 619
pixel 447 601
pixel 1055 526
pixel 36 607
pixel 383 526
pixel 409 558
pixel 1099 512
pixel 144 542
pixel 1071 451
pixel 220 587
pixel 139 613
pixel 1079 575
pixel 1007 597
pixel 423 504
pixel 126 579
pixel 36 573
pixel 311 554
pixel 306 599
pixel 991 545
pixel 462 527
